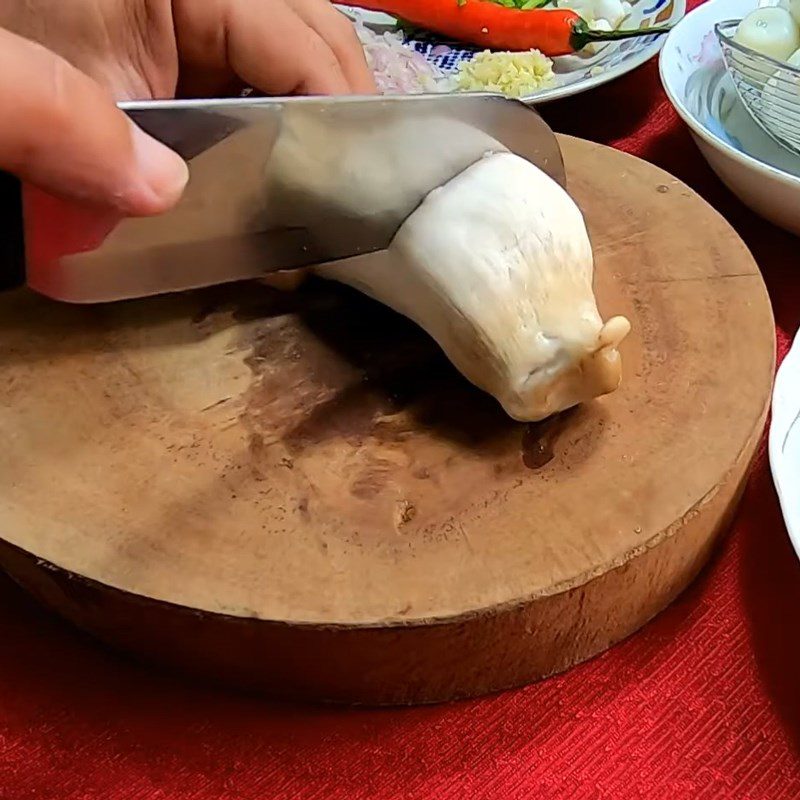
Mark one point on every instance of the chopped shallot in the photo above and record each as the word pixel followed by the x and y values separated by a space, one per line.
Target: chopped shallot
pixel 399 69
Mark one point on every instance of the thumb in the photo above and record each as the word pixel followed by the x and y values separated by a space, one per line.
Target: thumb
pixel 62 132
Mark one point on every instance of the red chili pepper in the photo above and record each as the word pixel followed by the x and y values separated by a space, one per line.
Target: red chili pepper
pixel 553 31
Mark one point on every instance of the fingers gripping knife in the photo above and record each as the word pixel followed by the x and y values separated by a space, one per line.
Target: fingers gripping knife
pixel 275 184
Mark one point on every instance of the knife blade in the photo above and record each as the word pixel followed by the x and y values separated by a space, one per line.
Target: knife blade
pixel 276 184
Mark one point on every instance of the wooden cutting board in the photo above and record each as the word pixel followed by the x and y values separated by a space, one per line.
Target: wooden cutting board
pixel 297 492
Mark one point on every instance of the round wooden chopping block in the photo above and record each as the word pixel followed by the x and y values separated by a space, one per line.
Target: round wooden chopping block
pixel 297 492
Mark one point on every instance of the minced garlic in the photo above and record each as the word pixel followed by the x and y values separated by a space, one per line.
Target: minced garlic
pixel 513 74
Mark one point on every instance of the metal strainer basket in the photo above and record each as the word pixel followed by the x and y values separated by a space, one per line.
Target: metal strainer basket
pixel 769 89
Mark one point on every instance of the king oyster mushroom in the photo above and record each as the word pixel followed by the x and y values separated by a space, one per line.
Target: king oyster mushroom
pixel 496 265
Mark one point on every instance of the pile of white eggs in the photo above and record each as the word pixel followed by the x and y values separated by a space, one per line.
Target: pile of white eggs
pixel 774 98
pixel 773 31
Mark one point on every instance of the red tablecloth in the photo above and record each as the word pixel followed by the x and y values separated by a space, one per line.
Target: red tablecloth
pixel 702 703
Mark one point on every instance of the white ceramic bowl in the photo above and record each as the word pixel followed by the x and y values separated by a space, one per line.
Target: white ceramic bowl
pixel 761 173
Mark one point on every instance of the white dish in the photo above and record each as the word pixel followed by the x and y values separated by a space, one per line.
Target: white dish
pixel 784 441
pixel 574 73
pixel 761 173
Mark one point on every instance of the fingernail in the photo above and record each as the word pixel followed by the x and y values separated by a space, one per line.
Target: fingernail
pixel 162 173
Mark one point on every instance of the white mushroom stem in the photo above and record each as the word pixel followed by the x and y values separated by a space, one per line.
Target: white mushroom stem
pixel 496 265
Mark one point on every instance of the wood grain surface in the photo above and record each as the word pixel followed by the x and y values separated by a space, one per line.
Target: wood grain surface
pixel 297 492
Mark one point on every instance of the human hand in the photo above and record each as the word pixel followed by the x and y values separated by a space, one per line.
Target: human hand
pixel 62 131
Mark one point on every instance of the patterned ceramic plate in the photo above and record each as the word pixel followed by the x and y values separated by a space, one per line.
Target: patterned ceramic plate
pixel 574 74
pixel 784 440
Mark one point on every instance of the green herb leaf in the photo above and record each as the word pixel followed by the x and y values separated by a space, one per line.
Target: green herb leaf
pixel 461 3
pixel 406 28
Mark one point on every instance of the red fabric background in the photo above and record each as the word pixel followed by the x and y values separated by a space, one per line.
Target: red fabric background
pixel 703 703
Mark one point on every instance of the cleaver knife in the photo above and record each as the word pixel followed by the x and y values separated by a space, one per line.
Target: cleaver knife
pixel 275 184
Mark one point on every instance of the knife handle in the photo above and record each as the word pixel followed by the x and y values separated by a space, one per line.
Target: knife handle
pixel 12 237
